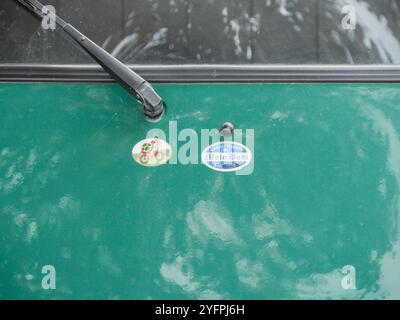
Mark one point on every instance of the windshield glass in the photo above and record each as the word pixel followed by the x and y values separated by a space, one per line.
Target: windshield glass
pixel 210 32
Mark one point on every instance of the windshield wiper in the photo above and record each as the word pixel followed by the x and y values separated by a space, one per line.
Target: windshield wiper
pixel 138 87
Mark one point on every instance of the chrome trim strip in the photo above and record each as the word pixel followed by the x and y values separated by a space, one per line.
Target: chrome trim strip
pixel 206 73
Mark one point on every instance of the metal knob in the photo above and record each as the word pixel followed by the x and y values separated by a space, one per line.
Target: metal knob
pixel 227 129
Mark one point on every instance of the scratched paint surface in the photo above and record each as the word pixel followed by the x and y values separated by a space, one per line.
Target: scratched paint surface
pixel 325 193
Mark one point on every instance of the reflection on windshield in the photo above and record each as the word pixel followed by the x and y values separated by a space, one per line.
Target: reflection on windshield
pixel 213 32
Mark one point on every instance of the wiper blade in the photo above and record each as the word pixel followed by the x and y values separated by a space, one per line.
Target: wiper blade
pixel 152 103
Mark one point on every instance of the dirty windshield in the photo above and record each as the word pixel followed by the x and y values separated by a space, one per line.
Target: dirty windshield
pixel 177 32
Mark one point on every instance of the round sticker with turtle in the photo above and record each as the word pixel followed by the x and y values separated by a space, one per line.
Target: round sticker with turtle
pixel 152 152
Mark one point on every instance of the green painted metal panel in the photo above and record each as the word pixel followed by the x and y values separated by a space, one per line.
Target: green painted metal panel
pixel 324 193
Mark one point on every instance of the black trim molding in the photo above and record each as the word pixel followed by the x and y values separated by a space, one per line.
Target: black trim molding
pixel 205 73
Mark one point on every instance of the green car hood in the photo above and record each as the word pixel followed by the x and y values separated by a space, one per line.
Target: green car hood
pixel 323 195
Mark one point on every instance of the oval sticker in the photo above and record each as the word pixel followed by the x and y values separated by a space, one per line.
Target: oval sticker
pixel 226 156
pixel 152 152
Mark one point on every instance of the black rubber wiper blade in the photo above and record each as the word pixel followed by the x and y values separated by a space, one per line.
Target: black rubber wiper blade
pixel 152 103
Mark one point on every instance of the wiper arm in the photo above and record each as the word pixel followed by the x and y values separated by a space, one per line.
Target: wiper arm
pixel 138 87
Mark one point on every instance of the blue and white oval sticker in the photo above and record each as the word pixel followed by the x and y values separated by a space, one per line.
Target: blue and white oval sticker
pixel 226 156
